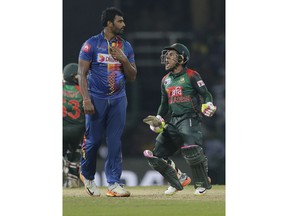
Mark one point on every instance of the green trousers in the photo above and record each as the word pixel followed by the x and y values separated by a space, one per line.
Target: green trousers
pixel 180 131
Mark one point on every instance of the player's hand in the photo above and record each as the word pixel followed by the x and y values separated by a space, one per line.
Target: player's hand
pixel 208 109
pixel 118 54
pixel 156 123
pixel 88 107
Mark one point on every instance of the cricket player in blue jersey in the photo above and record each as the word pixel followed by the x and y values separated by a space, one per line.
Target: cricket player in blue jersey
pixel 106 62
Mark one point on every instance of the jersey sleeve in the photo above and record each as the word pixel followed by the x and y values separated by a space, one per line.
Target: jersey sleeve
pixel 130 52
pixel 164 107
pixel 86 52
pixel 199 85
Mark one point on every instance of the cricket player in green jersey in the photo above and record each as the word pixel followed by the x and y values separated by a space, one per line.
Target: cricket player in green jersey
pixel 184 98
pixel 73 125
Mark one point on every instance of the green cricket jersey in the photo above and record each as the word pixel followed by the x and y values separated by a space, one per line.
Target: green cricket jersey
pixel 73 113
pixel 183 93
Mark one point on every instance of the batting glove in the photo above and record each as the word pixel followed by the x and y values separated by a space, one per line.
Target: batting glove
pixel 208 109
pixel 156 123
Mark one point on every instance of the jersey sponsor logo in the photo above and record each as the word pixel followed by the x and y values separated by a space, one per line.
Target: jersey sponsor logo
pixel 167 81
pixel 175 95
pixel 180 99
pixel 101 58
pixel 200 83
pixel 106 58
pixel 174 91
pixel 86 47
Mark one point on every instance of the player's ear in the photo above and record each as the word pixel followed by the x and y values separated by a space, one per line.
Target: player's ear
pixel 109 23
pixel 180 59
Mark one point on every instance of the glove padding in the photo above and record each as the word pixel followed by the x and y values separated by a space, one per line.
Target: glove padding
pixel 156 123
pixel 208 109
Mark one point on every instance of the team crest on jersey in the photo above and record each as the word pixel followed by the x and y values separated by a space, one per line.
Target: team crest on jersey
pixel 167 81
pixel 182 80
pixel 86 47
pixel 200 83
pixel 106 58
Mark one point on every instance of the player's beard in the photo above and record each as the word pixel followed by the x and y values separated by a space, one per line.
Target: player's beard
pixel 118 31
pixel 121 31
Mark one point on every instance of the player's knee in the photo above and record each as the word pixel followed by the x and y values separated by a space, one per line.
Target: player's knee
pixel 193 154
pixel 157 164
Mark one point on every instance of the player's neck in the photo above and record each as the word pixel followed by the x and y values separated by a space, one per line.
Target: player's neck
pixel 108 34
pixel 178 69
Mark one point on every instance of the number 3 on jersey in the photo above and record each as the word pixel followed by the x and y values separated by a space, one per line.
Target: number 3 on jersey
pixel 73 108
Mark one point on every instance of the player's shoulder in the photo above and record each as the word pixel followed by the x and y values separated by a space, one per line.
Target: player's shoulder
pixel 94 38
pixel 91 43
pixel 128 43
pixel 165 77
pixel 123 40
pixel 190 72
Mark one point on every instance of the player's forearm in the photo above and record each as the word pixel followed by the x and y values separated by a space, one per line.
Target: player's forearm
pixel 84 87
pixel 163 108
pixel 83 69
pixel 130 70
pixel 207 97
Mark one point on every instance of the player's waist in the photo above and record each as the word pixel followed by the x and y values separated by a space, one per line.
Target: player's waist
pixel 108 93
pixel 74 122
pixel 188 114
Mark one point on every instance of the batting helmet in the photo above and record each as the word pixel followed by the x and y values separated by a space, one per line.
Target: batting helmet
pixel 184 54
pixel 70 70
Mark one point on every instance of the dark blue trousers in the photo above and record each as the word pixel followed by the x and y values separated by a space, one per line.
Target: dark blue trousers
pixel 109 117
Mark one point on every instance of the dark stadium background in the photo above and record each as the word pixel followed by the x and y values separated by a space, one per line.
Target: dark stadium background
pixel 150 26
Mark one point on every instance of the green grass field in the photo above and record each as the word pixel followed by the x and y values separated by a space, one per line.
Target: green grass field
pixel 145 201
